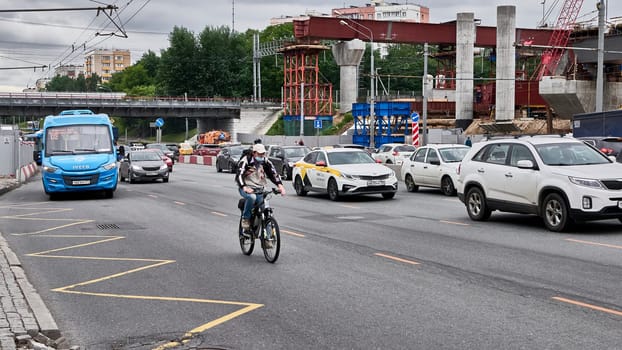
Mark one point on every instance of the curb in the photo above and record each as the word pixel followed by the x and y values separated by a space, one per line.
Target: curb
pixel 43 321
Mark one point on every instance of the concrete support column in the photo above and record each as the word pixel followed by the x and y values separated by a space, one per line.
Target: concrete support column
pixel 465 40
pixel 506 63
pixel 348 56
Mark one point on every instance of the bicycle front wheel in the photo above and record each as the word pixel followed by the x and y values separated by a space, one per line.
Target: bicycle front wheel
pixel 247 242
pixel 271 240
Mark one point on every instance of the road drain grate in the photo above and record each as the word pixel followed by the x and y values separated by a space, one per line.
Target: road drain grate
pixel 108 227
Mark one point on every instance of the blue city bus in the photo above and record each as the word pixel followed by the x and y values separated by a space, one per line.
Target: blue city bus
pixel 78 153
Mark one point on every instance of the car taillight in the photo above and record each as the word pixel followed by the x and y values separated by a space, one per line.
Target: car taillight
pixel 607 151
pixel 395 153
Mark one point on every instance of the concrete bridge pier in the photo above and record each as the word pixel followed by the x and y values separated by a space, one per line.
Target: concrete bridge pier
pixel 348 56
pixel 465 40
pixel 506 63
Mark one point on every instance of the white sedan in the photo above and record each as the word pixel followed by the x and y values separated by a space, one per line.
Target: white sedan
pixel 434 166
pixel 343 172
pixel 393 153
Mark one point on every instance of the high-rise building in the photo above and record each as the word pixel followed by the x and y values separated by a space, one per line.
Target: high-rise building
pixel 381 10
pixel 106 62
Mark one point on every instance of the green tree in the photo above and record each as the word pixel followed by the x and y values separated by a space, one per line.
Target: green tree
pixel 177 73
pixel 225 63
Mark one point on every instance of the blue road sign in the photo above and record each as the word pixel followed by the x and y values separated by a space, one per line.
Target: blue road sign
pixel 159 122
pixel 317 123
pixel 415 117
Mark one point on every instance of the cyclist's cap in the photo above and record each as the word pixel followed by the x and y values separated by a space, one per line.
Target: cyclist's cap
pixel 259 148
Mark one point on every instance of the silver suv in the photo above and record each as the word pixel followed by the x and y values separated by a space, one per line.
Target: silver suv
pixel 560 179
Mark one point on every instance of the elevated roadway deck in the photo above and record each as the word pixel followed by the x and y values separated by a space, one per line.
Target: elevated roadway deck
pixel 42 104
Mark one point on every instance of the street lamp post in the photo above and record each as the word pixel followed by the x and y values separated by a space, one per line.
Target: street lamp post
pixel 372 97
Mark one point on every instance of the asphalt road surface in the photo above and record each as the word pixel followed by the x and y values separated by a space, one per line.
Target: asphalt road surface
pixel 160 264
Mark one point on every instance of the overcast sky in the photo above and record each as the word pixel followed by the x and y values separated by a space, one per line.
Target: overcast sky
pixel 51 37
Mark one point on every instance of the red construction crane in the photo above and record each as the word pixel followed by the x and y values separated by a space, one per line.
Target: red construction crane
pixel 559 39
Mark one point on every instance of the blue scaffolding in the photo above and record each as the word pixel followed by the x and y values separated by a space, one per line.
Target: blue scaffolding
pixel 392 123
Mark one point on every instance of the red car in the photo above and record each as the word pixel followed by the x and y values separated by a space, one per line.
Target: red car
pixel 167 160
pixel 207 149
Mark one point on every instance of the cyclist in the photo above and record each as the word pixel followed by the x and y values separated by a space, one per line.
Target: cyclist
pixel 253 170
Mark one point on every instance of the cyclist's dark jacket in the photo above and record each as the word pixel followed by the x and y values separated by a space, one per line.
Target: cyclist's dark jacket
pixel 249 162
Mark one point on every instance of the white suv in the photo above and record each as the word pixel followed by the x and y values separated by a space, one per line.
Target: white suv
pixel 560 179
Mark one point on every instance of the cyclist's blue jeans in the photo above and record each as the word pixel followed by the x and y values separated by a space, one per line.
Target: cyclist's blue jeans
pixel 250 199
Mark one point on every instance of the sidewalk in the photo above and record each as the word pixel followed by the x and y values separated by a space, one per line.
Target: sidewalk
pixel 25 321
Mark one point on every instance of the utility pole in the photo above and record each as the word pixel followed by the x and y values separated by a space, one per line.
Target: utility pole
pixel 425 94
pixel 601 56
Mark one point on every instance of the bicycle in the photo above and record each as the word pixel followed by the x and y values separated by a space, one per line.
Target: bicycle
pixel 263 226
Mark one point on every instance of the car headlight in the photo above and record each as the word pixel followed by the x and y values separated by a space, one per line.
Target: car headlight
pixel 50 169
pixel 585 182
pixel 163 166
pixel 351 177
pixel 136 167
pixel 110 166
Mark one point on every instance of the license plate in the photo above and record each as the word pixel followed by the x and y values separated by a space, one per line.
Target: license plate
pixel 152 174
pixel 81 182
pixel 375 183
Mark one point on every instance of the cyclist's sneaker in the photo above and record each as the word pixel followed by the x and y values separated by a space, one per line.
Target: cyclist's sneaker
pixel 246 224
pixel 267 244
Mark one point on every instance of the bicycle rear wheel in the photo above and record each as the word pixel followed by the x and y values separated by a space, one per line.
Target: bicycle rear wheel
pixel 271 241
pixel 247 242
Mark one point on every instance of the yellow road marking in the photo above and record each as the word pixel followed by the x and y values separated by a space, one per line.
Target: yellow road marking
pixel 454 223
pixel 595 243
pixel 412 262
pixel 590 306
pixel 50 229
pixel 292 233
pixel 71 289
pixel 218 213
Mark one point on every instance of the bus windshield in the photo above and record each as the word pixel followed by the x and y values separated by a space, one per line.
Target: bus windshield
pixel 78 139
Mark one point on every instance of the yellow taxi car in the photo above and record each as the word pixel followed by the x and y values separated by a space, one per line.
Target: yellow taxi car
pixel 185 149
pixel 343 172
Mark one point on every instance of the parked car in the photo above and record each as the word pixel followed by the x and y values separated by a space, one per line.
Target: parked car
pixel 609 145
pixel 284 157
pixel 207 149
pixel 393 153
pixel 343 172
pixel 561 179
pixel 434 165
pixel 185 149
pixel 141 166
pixel 229 157
pixel 162 147
pixel 169 162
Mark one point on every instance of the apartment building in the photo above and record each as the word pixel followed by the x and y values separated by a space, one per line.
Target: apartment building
pixel 106 62
pixel 72 71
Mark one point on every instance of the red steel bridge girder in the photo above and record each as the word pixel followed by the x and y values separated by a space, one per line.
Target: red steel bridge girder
pixel 329 28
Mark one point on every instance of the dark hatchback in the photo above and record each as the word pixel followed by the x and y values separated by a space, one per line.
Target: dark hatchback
pixel 228 158
pixel 284 157
pixel 609 145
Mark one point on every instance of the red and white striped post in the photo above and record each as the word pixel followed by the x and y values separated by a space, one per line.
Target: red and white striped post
pixel 415 129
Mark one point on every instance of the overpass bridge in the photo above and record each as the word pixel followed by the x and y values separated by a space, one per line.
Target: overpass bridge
pixel 233 115
pixel 41 104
